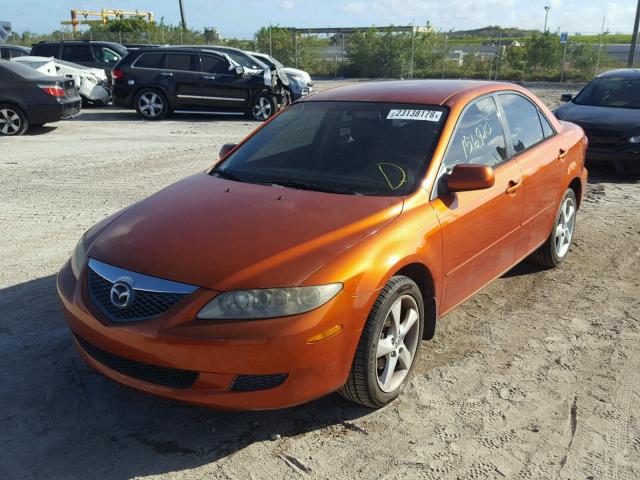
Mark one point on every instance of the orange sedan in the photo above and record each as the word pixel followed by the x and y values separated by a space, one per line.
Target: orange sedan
pixel 316 255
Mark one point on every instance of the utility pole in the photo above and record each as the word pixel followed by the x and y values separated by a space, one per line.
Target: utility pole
pixel 634 39
pixel 183 16
pixel 604 17
pixel 413 45
pixel 546 17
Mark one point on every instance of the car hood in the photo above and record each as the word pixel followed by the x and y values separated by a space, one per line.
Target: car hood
pixel 300 73
pixel 606 118
pixel 225 235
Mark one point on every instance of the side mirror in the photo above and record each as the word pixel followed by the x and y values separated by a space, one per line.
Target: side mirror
pixel 239 70
pixel 566 97
pixel 465 177
pixel 225 149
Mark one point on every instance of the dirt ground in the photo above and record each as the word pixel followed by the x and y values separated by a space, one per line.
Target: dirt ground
pixel 537 376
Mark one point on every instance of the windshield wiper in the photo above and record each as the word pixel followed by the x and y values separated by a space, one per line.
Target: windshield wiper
pixel 312 186
pixel 218 172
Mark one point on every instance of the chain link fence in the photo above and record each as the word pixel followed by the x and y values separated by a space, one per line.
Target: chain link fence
pixel 385 53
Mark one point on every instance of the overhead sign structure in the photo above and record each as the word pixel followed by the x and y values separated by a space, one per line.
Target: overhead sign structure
pixel 564 37
pixel 5 31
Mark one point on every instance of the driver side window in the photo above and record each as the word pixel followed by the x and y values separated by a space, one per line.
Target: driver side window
pixel 479 137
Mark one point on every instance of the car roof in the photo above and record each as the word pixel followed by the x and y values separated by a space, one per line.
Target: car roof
pixel 430 92
pixel 194 50
pixel 622 72
pixel 17 47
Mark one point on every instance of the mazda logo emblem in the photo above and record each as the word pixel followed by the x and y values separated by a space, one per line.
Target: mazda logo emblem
pixel 121 294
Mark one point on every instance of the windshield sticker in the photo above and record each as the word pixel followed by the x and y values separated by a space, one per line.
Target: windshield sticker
pixel 424 115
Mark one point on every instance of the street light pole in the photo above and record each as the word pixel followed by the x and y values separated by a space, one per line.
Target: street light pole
pixel 634 39
pixel 546 16
pixel 183 17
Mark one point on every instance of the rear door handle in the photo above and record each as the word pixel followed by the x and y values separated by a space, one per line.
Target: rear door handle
pixel 166 74
pixel 563 154
pixel 209 77
pixel 513 187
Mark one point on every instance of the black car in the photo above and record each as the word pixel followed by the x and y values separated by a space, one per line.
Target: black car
pixel 27 97
pixel 608 109
pixel 7 52
pixel 157 81
pixel 88 53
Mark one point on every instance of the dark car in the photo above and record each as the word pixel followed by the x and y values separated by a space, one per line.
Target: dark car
pixel 27 97
pixel 274 74
pixel 88 53
pixel 158 81
pixel 7 52
pixel 608 109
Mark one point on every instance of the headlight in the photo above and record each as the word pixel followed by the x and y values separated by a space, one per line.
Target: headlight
pixel 268 302
pixel 635 139
pixel 296 77
pixel 78 258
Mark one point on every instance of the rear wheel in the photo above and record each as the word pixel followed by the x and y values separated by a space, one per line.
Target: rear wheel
pixel 388 347
pixel 151 104
pixel 13 121
pixel 263 106
pixel 554 251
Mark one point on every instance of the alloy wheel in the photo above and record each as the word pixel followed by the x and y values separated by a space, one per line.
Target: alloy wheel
pixel 564 227
pixel 150 104
pixel 397 343
pixel 10 122
pixel 262 108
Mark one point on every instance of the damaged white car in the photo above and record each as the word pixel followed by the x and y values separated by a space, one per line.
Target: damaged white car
pixel 92 83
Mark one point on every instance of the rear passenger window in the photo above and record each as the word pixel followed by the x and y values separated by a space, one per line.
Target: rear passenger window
pixel 15 53
pixel 77 53
pixel 523 120
pixel 46 50
pixel 547 129
pixel 149 60
pixel 5 53
pixel 180 62
pixel 213 64
pixel 479 138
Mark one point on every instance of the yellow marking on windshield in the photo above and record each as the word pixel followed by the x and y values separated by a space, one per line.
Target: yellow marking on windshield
pixel 404 175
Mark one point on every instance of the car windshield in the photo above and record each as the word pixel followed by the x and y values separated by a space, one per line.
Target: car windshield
pixel 357 148
pixel 618 92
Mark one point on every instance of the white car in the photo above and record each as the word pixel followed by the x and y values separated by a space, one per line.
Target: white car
pixel 92 83
pixel 300 83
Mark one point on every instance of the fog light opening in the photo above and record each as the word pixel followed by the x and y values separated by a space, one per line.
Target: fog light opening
pixel 330 332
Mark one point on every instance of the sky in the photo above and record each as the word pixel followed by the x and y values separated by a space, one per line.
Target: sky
pixel 241 18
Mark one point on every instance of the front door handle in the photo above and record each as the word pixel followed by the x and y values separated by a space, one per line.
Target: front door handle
pixel 209 77
pixel 166 74
pixel 513 187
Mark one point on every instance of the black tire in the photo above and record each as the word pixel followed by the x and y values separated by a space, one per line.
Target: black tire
pixel 363 385
pixel 151 104
pixel 263 106
pixel 547 255
pixel 13 121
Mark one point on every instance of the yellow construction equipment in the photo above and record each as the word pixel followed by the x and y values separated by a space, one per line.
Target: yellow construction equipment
pixel 104 15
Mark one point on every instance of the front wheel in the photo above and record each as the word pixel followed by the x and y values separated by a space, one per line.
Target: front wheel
pixel 263 106
pixel 388 347
pixel 151 104
pixel 555 249
pixel 13 121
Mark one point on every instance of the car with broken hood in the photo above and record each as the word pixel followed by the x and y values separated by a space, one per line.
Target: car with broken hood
pixel 164 80
pixel 317 254
pixel 92 83
pixel 300 83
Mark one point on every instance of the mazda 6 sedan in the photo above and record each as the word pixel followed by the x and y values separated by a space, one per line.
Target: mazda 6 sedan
pixel 316 255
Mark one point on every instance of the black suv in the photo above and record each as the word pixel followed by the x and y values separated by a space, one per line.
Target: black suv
pixel 157 81
pixel 88 53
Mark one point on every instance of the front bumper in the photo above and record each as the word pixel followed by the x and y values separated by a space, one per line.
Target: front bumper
pixel 626 158
pixel 220 353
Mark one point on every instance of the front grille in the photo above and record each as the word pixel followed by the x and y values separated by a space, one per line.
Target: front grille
pixel 603 138
pixel 144 306
pixel 168 377
pixel 248 383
